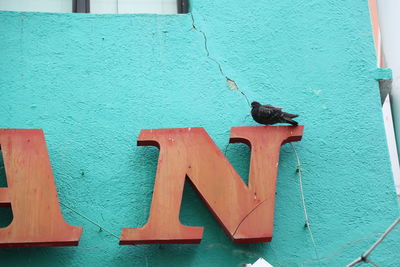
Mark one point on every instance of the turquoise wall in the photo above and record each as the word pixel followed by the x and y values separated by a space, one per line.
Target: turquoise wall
pixel 92 82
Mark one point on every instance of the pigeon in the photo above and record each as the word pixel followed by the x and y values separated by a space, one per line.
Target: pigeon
pixel 268 114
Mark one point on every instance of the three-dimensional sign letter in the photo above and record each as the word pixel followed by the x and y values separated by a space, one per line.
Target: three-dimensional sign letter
pixel 245 212
pixel 32 194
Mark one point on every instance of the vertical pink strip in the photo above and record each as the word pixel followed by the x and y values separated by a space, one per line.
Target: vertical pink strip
pixel 373 9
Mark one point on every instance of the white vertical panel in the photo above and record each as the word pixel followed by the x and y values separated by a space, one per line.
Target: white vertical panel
pixel 37 5
pixel 389 20
pixel 391 140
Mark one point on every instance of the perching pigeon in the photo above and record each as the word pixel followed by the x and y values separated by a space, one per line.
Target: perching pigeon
pixel 267 114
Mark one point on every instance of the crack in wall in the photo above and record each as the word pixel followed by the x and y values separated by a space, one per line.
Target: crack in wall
pixel 233 86
pixel 230 82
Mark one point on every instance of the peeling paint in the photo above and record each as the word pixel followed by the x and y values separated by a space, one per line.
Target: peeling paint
pixel 231 83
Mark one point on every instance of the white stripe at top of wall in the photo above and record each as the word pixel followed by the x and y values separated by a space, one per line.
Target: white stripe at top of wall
pixel 133 6
pixel 56 6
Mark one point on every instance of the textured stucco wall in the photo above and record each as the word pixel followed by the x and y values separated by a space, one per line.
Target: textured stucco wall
pixel 93 81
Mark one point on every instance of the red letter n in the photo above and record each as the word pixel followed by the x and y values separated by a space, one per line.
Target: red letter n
pixel 245 212
pixel 31 192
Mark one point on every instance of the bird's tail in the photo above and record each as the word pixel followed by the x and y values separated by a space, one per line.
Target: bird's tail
pixel 289 115
pixel 292 122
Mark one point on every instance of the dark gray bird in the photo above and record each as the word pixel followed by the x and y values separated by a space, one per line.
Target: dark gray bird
pixel 267 114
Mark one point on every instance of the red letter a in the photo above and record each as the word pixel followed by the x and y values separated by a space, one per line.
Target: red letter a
pixel 31 192
pixel 245 212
